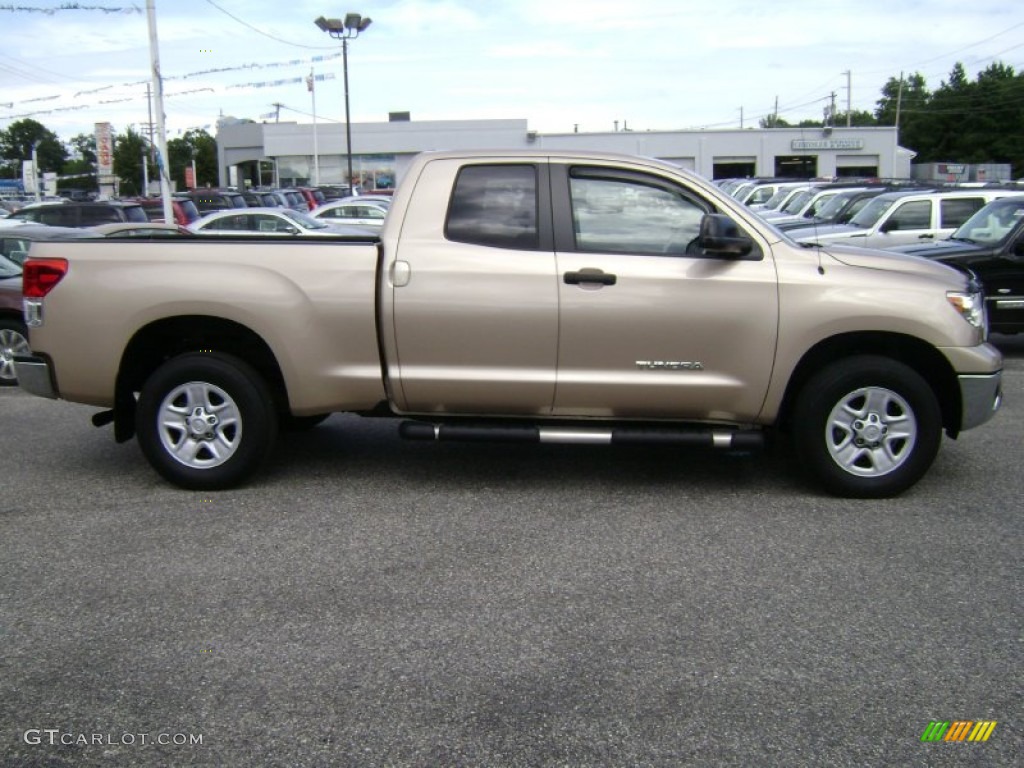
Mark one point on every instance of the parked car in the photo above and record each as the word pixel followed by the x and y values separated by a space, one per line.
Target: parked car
pixel 207 200
pixel 806 204
pixel 296 200
pixel 270 221
pixel 132 229
pixel 359 214
pixel 15 242
pixel 991 245
pixel 255 198
pixel 382 200
pixel 332 192
pixel 759 193
pixel 68 214
pixel 314 197
pixel 903 218
pixel 13 334
pixel 839 210
pixel 184 209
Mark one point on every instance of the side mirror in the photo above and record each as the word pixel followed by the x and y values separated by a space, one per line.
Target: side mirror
pixel 889 225
pixel 719 236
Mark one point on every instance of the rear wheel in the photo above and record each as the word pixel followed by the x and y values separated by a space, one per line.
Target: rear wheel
pixel 13 341
pixel 867 427
pixel 206 421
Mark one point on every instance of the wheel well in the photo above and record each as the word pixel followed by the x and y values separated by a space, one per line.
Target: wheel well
pixel 159 341
pixel 919 355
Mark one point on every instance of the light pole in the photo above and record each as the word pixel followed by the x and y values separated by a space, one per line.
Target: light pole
pixel 345 29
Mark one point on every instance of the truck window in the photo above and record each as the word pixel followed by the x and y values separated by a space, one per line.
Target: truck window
pixel 916 214
pixel 630 216
pixel 956 211
pixel 495 205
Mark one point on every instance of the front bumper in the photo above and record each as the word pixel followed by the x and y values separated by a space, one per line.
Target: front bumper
pixel 35 375
pixel 980 397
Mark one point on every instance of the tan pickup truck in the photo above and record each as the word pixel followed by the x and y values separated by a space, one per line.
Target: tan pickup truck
pixel 526 296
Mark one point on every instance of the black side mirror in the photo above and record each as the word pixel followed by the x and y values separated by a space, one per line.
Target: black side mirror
pixel 719 236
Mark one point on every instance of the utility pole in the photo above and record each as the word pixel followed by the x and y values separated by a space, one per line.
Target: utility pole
pixel 849 97
pixel 161 131
pixel 741 117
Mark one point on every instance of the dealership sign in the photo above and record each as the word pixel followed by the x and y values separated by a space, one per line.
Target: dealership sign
pixel 828 144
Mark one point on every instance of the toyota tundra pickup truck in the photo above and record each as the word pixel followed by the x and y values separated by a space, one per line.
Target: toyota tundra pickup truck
pixel 550 297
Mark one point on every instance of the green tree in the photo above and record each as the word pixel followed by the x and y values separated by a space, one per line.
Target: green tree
pixel 84 145
pixel 129 149
pixel 195 144
pixel 16 146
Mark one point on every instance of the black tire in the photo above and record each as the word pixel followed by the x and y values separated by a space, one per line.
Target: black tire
pixel 13 341
pixel 867 427
pixel 227 421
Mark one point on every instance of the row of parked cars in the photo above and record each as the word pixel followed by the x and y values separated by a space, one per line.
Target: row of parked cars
pixel 978 228
pixel 201 212
pixel 189 208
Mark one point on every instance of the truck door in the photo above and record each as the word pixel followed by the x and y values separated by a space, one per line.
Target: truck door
pixel 475 298
pixel 649 326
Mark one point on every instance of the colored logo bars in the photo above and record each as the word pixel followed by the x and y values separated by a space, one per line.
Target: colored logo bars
pixel 959 730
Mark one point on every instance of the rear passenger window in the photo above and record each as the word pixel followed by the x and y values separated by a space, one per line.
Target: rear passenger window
pixel 956 212
pixel 495 205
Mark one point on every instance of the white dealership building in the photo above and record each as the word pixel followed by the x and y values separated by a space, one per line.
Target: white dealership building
pixel 287 154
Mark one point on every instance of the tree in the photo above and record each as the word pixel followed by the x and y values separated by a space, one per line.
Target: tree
pixel 16 146
pixel 773 121
pixel 129 149
pixel 84 145
pixel 196 144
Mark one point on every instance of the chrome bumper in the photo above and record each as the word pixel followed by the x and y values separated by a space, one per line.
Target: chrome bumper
pixel 980 397
pixel 35 376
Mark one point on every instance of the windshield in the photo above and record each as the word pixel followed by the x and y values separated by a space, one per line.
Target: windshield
pixel 834 206
pixel 797 201
pixel 777 199
pixel 872 212
pixel 304 221
pixel 992 223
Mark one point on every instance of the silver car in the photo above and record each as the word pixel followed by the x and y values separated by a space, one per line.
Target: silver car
pixel 281 222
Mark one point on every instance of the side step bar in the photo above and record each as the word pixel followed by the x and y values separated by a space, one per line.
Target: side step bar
pixel 721 439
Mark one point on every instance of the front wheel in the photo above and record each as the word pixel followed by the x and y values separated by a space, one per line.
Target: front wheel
pixel 206 421
pixel 867 427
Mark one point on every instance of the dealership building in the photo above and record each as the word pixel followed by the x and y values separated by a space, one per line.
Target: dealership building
pixel 287 154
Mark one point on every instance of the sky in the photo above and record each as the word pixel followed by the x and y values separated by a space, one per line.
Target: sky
pixel 562 65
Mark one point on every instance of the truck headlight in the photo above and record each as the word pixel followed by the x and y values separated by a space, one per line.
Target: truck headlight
pixel 971 307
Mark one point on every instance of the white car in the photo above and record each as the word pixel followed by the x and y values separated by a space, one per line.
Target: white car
pixel 359 213
pixel 269 221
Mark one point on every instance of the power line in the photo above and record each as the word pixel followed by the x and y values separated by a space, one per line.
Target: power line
pixel 267 34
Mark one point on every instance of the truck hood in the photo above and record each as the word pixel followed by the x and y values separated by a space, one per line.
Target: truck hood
pixel 891 261
pixel 943 249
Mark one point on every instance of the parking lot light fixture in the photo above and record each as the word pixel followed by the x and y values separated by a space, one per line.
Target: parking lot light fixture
pixel 348 29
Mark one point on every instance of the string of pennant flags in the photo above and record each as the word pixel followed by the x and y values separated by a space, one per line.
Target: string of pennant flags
pixel 242 67
pixel 70 7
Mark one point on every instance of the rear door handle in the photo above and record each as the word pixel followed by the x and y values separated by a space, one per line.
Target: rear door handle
pixel 589 276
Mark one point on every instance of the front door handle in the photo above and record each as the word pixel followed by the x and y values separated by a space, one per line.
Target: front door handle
pixel 589 276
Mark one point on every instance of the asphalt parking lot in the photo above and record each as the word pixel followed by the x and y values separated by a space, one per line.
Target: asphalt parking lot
pixel 370 602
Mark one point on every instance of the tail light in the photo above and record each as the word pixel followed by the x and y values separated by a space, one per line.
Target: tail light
pixel 40 276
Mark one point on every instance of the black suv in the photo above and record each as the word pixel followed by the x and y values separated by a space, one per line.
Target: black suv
pixel 69 214
pixel 991 245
